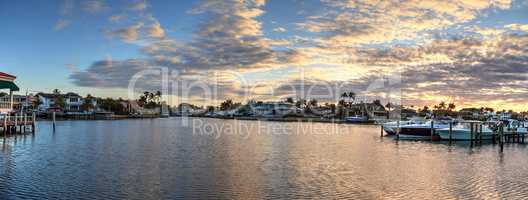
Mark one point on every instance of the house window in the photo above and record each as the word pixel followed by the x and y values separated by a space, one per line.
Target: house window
pixel 74 99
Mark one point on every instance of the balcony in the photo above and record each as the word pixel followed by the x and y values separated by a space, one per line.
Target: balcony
pixel 5 105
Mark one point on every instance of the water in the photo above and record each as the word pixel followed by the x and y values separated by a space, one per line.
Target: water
pixel 165 159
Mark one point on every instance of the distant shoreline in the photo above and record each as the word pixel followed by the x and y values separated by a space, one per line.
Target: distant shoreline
pixel 270 119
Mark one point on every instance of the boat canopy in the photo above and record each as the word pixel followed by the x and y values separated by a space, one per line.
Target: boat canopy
pixel 8 85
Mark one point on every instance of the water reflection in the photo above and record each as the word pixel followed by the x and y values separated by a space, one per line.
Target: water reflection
pixel 163 159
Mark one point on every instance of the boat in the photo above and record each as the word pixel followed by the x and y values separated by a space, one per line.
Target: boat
pixel 422 130
pixel 358 119
pixel 391 127
pixel 516 127
pixel 462 131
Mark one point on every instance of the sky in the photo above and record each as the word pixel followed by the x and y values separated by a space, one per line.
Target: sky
pixel 414 52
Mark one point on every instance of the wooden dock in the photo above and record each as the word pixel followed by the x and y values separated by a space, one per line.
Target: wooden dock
pixel 500 134
pixel 17 124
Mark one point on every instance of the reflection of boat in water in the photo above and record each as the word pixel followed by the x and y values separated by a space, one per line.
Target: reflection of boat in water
pixel 463 132
pixel 358 119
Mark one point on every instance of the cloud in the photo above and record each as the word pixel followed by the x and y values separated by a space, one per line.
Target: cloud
pixel 94 6
pixel 518 27
pixel 362 22
pixel 109 73
pixel 279 30
pixel 116 18
pixel 478 64
pixel 138 6
pixel 230 40
pixel 155 30
pixel 61 24
pixel 128 34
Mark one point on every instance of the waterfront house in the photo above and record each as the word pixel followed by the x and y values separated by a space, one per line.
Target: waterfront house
pixel 470 113
pixel 272 108
pixel 374 110
pixel 185 109
pixel 7 83
pixel 72 102
pixel 20 102
pixel 46 101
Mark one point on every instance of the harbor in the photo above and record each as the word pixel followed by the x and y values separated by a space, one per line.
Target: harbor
pixel 85 159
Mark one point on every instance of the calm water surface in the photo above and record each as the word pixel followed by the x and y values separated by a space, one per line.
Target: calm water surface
pixel 227 159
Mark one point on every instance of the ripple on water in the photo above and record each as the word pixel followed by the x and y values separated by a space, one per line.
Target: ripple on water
pixel 163 159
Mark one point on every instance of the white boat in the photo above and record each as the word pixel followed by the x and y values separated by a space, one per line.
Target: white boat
pixel 422 130
pixel 358 119
pixel 391 127
pixel 517 127
pixel 463 132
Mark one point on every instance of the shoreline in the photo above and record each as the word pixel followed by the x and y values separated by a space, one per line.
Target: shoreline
pixel 270 119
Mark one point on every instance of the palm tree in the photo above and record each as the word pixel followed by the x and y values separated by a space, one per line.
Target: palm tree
pixel 451 107
pixel 442 105
pixel 56 91
pixel 158 96
pixel 352 95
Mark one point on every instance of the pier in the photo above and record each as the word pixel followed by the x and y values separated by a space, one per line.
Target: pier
pixel 475 132
pixel 17 124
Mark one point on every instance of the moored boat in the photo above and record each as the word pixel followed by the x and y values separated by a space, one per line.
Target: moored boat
pixel 358 119
pixel 463 132
pixel 391 127
pixel 422 131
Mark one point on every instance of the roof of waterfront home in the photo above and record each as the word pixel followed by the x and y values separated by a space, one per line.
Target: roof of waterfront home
pixel 6 82
pixel 47 95
pixel 71 94
pixel 52 95
pixel 6 75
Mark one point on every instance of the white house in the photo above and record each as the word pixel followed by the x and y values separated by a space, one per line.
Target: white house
pixel 19 101
pixel 272 108
pixel 72 101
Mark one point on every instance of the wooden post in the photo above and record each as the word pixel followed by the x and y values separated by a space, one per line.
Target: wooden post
pixel 381 131
pixel 472 133
pixel 501 135
pixel 450 131
pixel 432 129
pixel 493 136
pixel 480 133
pixel 5 124
pixel 53 117
pixel 16 123
pixel 33 122
pixel 10 99
pixel 398 130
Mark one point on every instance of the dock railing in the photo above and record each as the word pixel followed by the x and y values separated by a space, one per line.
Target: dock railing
pixel 5 105
pixel 17 123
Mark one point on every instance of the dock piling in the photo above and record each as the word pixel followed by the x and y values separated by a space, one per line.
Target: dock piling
pixel 432 130
pixel 398 130
pixel 450 131
pixel 53 116
pixel 501 137
pixel 33 122
pixel 480 133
